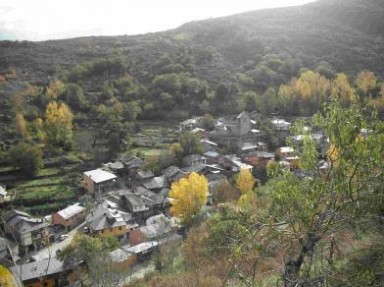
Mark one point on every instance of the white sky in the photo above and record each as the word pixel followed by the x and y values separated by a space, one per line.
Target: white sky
pixel 57 19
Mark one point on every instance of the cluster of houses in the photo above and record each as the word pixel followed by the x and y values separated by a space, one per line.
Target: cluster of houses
pixel 131 203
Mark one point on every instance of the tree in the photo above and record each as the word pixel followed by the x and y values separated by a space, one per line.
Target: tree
pixel 188 196
pixel 343 91
pixel 309 216
pixel 58 125
pixel 22 126
pixel 366 82
pixel 73 95
pixel 93 251
pixel 208 122
pixel 27 157
pixel 6 278
pixel 190 144
pixel 245 181
pixel 54 89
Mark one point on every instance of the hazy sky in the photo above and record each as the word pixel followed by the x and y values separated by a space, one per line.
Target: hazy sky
pixel 56 19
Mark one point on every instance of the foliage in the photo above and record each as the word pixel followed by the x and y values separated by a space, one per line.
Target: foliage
pixel 22 126
pixel 245 181
pixel 190 144
pixel 73 95
pixel 188 196
pixel 27 157
pixel 366 82
pixel 6 278
pixel 93 251
pixel 58 125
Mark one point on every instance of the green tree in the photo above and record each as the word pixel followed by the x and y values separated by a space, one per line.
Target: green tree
pixel 73 95
pixel 208 122
pixel 309 216
pixel 27 157
pixel 190 144
pixel 93 251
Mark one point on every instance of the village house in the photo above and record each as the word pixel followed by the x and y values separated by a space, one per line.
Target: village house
pixel 188 124
pixel 173 173
pixel 208 145
pixel 70 216
pixel 144 175
pixel 115 167
pixel 280 124
pixel 212 157
pixel 29 232
pixel 284 152
pixel 156 183
pixel 233 133
pixel 258 158
pixel 106 220
pixel 156 201
pixel 156 227
pixel 98 180
pixel 233 164
pixel 123 258
pixel 132 164
pixel 49 272
pixel 135 204
pixel 199 132
pixel 194 159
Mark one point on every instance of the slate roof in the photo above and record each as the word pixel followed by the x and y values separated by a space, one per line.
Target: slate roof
pixel 195 168
pixel 145 174
pixel 137 202
pixel 156 226
pixel 23 222
pixel 208 142
pixel 106 215
pixel 149 197
pixel 71 210
pixel 99 175
pixel 211 154
pixel 155 183
pixel 140 248
pixel 131 161
pixel 119 255
pixel 34 270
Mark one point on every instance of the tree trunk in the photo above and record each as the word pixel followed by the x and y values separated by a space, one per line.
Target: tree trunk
pixel 293 267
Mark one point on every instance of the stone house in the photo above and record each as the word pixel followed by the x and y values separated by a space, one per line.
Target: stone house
pixel 70 216
pixel 98 180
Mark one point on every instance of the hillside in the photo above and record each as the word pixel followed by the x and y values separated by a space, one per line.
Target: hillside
pixel 347 34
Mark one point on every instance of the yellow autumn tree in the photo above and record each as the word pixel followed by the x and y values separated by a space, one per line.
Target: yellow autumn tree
pixel 22 126
pixel 245 181
pixel 366 81
pixel 54 89
pixel 58 124
pixel 188 196
pixel 343 91
pixel 6 278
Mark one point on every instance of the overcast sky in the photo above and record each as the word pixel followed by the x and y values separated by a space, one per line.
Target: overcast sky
pixel 37 20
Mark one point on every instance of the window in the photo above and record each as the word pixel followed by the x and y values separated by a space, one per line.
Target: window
pixel 45 284
pixel 120 228
pixel 111 229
